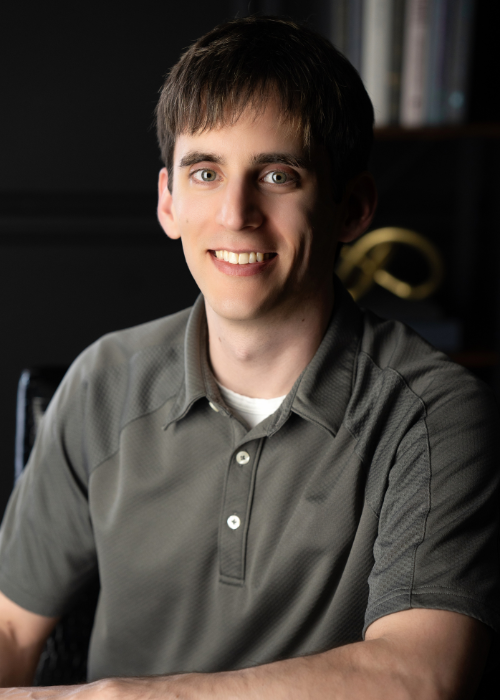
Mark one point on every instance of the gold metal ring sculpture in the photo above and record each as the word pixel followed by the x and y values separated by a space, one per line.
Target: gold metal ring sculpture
pixel 363 264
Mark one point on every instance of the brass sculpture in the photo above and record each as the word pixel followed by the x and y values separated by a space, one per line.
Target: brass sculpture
pixel 365 263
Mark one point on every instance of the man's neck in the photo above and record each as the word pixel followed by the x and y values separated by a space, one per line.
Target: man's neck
pixel 264 357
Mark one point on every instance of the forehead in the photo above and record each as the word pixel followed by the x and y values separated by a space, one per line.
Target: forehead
pixel 254 131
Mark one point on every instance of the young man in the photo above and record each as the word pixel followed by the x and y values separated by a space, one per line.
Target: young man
pixel 284 496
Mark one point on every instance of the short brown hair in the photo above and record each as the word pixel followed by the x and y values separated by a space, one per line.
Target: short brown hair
pixel 239 63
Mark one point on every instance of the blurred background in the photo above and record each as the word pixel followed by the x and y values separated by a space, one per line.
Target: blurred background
pixel 81 252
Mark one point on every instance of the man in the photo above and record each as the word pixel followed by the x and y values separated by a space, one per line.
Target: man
pixel 284 496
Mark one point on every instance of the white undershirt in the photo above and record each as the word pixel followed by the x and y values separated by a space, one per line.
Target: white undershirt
pixel 250 411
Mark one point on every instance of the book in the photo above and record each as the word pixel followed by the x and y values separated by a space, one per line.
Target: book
pixel 346 18
pixel 354 23
pixel 338 24
pixel 415 40
pixel 396 60
pixel 457 61
pixel 376 55
pixel 435 64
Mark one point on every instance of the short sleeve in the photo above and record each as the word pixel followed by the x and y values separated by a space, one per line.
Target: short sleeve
pixel 47 550
pixel 438 539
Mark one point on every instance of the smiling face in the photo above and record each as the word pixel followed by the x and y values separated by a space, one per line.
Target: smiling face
pixel 255 213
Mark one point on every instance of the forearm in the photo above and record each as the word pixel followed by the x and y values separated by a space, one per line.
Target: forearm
pixel 411 655
pixel 17 667
pixel 368 670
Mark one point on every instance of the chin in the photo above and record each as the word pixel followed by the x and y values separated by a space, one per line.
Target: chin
pixel 234 309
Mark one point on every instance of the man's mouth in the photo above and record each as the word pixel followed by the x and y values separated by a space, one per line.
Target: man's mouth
pixel 242 258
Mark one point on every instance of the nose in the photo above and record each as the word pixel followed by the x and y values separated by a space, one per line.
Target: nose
pixel 239 208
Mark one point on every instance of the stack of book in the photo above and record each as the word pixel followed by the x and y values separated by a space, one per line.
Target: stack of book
pixel 413 56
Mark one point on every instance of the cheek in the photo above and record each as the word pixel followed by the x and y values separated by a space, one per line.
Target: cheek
pixel 193 261
pixel 194 220
pixel 293 220
pixel 188 210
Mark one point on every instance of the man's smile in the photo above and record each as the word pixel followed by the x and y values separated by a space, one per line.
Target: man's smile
pixel 243 258
pixel 243 263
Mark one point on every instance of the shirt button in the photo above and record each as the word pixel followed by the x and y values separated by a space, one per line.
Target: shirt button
pixel 234 522
pixel 242 457
pixel 213 407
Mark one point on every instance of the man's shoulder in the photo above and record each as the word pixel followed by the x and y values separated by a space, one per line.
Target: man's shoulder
pixel 162 337
pixel 123 376
pixel 123 345
pixel 139 365
pixel 396 364
pixel 392 346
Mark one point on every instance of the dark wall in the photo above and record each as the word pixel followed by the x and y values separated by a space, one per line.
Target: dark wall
pixel 81 88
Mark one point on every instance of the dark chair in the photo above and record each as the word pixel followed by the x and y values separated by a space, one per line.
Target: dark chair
pixel 64 658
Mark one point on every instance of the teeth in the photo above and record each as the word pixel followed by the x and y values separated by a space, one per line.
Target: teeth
pixel 241 258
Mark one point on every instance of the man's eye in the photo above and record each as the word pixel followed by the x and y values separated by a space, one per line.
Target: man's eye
pixel 205 175
pixel 277 177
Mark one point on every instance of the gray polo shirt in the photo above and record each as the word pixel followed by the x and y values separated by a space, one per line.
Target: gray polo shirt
pixel 372 489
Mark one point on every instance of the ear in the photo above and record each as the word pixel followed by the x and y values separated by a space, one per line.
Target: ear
pixel 360 203
pixel 165 211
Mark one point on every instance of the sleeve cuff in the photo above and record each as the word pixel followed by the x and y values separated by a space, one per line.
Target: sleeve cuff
pixel 433 599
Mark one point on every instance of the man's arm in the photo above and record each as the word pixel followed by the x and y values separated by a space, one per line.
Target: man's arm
pixel 410 655
pixel 22 636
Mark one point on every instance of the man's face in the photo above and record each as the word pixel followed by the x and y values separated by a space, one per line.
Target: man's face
pixel 252 191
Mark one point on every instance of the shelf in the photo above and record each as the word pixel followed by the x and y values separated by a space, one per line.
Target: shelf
pixel 437 133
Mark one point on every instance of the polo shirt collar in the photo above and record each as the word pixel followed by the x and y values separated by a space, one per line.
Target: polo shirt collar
pixel 198 381
pixel 324 389
pixel 320 394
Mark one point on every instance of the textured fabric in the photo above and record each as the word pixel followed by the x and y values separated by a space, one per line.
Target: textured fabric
pixel 373 488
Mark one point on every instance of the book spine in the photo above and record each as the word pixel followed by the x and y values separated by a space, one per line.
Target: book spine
pixel 376 55
pixel 396 60
pixel 413 72
pixel 338 24
pixel 458 61
pixel 435 68
pixel 354 32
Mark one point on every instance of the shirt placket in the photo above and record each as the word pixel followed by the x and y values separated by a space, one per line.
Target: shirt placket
pixel 236 509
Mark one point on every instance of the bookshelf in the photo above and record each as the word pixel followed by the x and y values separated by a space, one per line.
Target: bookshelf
pixel 443 182
pixel 439 176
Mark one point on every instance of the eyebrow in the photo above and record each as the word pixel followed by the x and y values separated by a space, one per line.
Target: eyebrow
pixel 194 157
pixel 293 161
pixel 283 159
